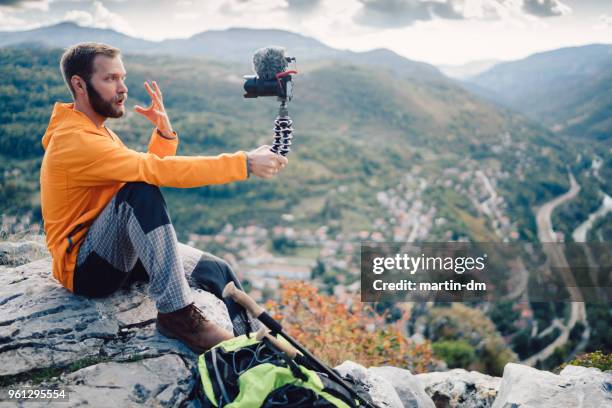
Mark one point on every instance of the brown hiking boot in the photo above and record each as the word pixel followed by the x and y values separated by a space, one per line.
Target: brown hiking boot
pixel 191 327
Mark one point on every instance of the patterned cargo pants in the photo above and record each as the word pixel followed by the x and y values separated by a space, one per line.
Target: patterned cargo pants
pixel 133 239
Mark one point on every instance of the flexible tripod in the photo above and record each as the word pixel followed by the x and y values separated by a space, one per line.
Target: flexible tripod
pixel 283 130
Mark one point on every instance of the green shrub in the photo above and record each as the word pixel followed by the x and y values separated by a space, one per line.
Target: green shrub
pixel 595 359
pixel 456 353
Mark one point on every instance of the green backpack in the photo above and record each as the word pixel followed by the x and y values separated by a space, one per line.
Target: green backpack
pixel 244 372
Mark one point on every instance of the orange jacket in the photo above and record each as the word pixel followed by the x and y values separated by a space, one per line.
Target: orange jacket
pixel 84 166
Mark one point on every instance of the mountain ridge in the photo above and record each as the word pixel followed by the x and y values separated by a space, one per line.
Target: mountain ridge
pixel 567 89
pixel 234 45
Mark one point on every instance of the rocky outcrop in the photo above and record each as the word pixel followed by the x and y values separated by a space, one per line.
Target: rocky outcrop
pixel 109 350
pixel 582 387
pixel 389 387
pixel 48 334
pixel 159 381
pixel 408 388
pixel 459 388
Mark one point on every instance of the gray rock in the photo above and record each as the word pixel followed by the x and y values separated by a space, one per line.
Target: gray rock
pixel 459 388
pixel 44 326
pixel 22 252
pixel 161 381
pixel 408 387
pixel 575 387
pixel 388 386
pixel 382 392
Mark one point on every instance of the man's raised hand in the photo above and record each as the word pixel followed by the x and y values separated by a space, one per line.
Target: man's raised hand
pixel 156 113
pixel 265 163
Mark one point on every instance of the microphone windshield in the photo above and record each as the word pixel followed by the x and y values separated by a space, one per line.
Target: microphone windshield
pixel 269 61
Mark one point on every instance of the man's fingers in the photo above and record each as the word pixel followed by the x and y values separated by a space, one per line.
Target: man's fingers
pixel 149 90
pixel 152 94
pixel 157 89
pixel 141 110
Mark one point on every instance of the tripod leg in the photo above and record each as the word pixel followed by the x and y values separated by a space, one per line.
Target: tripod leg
pixel 283 132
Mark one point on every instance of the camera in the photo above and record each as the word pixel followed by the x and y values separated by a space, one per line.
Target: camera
pixel 274 79
pixel 281 86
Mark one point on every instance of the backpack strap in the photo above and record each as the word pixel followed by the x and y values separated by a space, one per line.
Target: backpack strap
pixel 224 396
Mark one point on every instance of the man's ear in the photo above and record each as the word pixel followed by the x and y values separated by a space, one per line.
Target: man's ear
pixel 79 86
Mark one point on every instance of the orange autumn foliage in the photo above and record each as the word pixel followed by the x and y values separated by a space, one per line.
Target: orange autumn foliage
pixel 336 332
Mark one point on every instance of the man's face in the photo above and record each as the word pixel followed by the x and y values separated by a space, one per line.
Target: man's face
pixel 106 89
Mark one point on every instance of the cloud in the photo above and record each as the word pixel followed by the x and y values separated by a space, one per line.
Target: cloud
pixel 99 17
pixel 302 7
pixel 187 16
pixel 296 8
pixel 400 13
pixel 12 2
pixel 9 22
pixel 25 4
pixel 243 8
pixel 81 17
pixel 605 22
pixel 545 8
pixel 12 13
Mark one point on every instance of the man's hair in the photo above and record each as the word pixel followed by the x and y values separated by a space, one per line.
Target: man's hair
pixel 78 60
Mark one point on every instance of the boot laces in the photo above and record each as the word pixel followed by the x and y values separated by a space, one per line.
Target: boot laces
pixel 197 314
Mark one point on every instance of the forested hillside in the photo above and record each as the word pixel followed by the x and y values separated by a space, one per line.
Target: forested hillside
pixel 358 132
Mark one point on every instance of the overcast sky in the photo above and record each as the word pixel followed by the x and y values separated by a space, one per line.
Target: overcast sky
pixel 434 31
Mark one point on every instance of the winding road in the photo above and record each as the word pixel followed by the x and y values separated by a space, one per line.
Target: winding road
pixel 557 258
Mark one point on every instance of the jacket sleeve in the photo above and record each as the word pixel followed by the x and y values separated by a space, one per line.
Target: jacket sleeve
pixel 94 160
pixel 162 147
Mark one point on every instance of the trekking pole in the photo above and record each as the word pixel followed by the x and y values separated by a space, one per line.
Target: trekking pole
pixel 275 327
pixel 289 350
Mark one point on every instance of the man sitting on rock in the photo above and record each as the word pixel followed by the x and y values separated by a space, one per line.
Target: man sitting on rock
pixel 105 218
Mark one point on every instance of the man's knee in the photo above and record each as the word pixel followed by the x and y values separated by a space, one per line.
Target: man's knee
pixel 147 203
pixel 139 191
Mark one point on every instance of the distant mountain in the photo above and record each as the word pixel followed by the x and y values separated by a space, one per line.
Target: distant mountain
pixel 569 89
pixel 238 44
pixel 233 45
pixel 65 34
pixel 470 69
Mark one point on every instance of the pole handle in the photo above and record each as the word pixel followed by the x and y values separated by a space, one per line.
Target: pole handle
pixel 286 348
pixel 242 299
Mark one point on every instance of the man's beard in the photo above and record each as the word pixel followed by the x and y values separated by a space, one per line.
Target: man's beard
pixel 100 105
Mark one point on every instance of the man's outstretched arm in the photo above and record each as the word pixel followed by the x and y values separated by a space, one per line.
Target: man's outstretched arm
pixel 94 160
